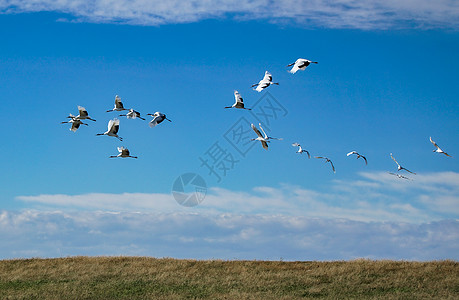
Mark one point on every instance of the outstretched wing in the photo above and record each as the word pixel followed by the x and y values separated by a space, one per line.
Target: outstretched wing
pixel 257 132
pixel 365 159
pixel 268 76
pixel 435 144
pixel 352 152
pixel 118 103
pixel 264 144
pixel 333 167
pixel 114 126
pixel 295 144
pixel 82 111
pixel 394 160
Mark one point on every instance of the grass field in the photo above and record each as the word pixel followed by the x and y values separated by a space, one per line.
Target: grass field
pixel 151 278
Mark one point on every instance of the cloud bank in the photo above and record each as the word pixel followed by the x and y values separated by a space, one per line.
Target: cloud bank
pixel 378 216
pixel 360 14
pixel 224 236
pixel 376 197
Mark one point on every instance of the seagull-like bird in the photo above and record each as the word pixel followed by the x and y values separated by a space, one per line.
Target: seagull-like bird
pixel 301 150
pixel 157 118
pixel 300 64
pixel 113 127
pixel 75 123
pixel 400 176
pixel 400 167
pixel 438 150
pixel 326 161
pixel 132 114
pixel 265 82
pixel 239 102
pixel 118 105
pixel 123 152
pixel 358 156
pixel 82 114
pixel 262 138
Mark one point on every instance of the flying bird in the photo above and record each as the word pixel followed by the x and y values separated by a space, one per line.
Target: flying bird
pixel 326 161
pixel 265 82
pixel 300 64
pixel 123 152
pixel 358 156
pixel 113 127
pixel 239 102
pixel 82 114
pixel 400 167
pixel 262 138
pixel 118 105
pixel 157 118
pixel 75 123
pixel 132 114
pixel 267 136
pixel 399 176
pixel 301 150
pixel 438 150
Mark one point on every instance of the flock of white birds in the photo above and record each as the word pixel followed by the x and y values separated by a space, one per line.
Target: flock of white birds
pixel 114 124
pixel 158 117
pixel 302 64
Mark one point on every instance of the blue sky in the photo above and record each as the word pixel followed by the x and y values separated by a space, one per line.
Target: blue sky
pixel 385 82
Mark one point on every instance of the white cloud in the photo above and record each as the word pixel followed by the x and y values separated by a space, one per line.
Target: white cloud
pixel 377 197
pixel 225 236
pixel 372 14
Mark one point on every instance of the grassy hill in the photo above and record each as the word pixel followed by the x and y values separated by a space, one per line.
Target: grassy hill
pixel 151 278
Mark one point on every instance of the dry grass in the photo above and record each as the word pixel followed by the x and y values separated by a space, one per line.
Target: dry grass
pixel 151 278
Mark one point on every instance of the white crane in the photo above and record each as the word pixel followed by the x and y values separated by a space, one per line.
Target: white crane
pixel 82 114
pixel 132 114
pixel 438 150
pixel 327 160
pixel 300 64
pixel 157 118
pixel 239 101
pixel 113 127
pixel 263 139
pixel 400 167
pixel 301 150
pixel 265 82
pixel 75 123
pixel 118 105
pixel 400 176
pixel 358 156
pixel 123 152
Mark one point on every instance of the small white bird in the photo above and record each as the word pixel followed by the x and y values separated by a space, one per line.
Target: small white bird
pixel 438 150
pixel 75 124
pixel 300 64
pixel 301 150
pixel 265 82
pixel 400 167
pixel 123 152
pixel 118 105
pixel 157 118
pixel 263 139
pixel 358 156
pixel 239 102
pixel 326 161
pixel 132 114
pixel 82 114
pixel 113 127
pixel 399 176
